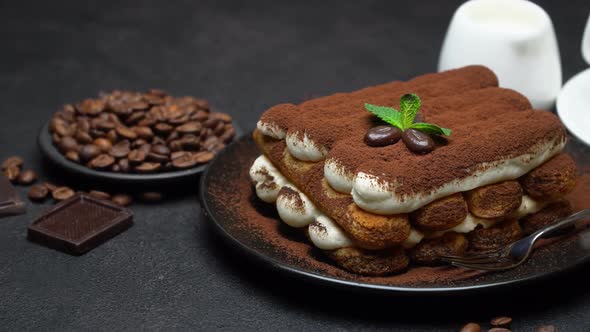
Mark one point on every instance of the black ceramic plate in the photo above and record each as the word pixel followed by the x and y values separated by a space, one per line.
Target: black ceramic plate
pixel 229 201
pixel 51 153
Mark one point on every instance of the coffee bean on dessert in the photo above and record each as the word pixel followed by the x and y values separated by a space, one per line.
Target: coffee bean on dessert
pixel 185 161
pixel 89 152
pixel 99 195
pixel 12 173
pixel 62 193
pixel 382 136
pixel 103 144
pixel 471 327
pixel 147 167
pixel 38 193
pixel 417 141
pixel 501 321
pixel 67 143
pixel 13 161
pixel 102 161
pixel 546 328
pixel 122 199
pixel 120 150
pixel 151 197
pixel 27 177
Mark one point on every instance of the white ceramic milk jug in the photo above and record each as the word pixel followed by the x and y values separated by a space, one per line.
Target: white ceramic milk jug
pixel 515 38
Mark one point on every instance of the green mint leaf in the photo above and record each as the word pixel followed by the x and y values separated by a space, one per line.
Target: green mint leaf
pixel 431 129
pixel 387 114
pixel 409 104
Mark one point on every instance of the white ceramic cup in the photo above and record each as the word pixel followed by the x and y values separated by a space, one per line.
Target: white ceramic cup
pixel 514 38
pixel 586 42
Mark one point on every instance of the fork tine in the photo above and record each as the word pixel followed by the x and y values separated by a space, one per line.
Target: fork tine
pixel 485 267
pixel 470 260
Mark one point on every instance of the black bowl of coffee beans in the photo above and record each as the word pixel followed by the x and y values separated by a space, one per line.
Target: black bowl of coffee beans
pixel 136 138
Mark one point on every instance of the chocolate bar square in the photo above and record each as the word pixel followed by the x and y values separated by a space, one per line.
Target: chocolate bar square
pixel 10 203
pixel 79 224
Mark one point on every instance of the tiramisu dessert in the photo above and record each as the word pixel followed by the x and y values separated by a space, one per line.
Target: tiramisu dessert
pixel 445 163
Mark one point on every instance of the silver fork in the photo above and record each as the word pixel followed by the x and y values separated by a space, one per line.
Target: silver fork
pixel 517 252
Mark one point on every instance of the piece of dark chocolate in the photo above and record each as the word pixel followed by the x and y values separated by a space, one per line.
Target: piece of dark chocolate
pixel 10 202
pixel 79 224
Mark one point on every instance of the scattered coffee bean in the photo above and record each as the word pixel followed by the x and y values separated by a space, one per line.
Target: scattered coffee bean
pixel 27 177
pixel 471 327
pixel 102 161
pixel 382 136
pixel 417 141
pixel 12 173
pixel 501 321
pixel 62 193
pixel 122 199
pixel 499 329
pixel 38 193
pixel 151 197
pixel 13 161
pixel 547 328
pixel 89 152
pixel 100 195
pixel 50 186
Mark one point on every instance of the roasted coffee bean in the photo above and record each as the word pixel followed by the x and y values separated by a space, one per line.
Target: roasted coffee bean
pixel 105 125
pixel 210 143
pixel 55 138
pixel 73 156
pixel 121 149
pixel 38 193
pixel 122 199
pixel 62 193
pixel 189 128
pixel 200 116
pixel 135 118
pixel 210 123
pixel 178 154
pixel 146 148
pixel 203 157
pixel 12 173
pixel 103 143
pixel 501 321
pixel 163 128
pixel 471 327
pixel 228 135
pixel 112 136
pixel 158 140
pixel 116 168
pixel 88 152
pixel 138 142
pixel 102 161
pixel 99 195
pixel 136 156
pixel 147 167
pixel 151 197
pixel 176 145
pixel 382 136
pixel 50 186
pixel 417 141
pixel 546 328
pixel 124 165
pixel 157 92
pixel 160 149
pixel 220 116
pixel 83 137
pixel 143 132
pixel 172 136
pixel 183 162
pixel 95 133
pixel 126 132
pixel 91 106
pixel 67 143
pixel 158 158
pixel 13 161
pixel 499 329
pixel 219 129
pixel 61 127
